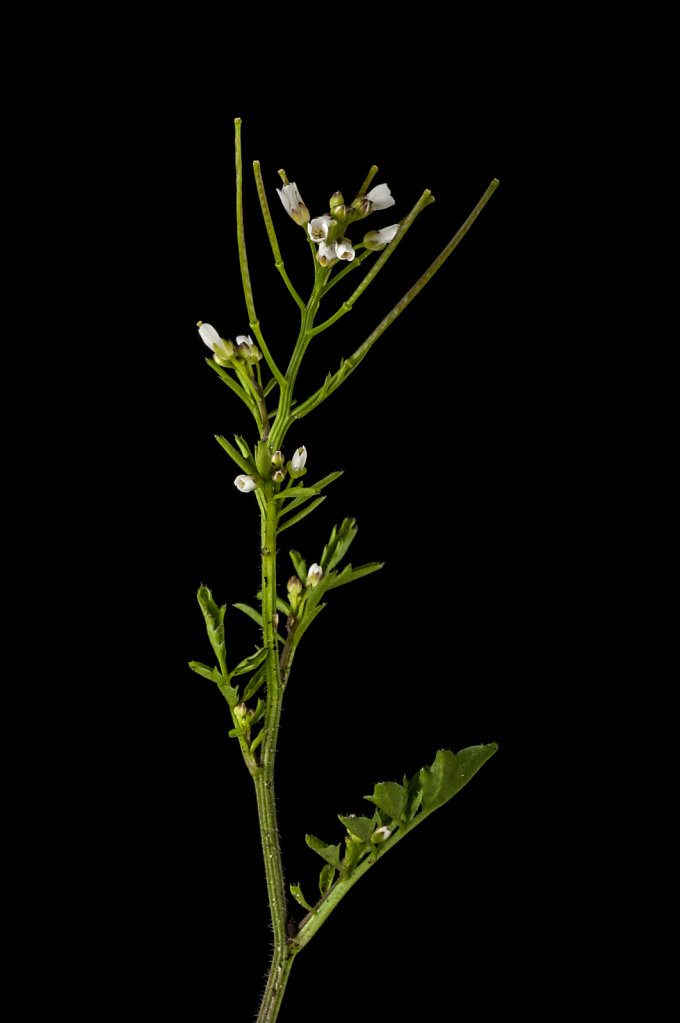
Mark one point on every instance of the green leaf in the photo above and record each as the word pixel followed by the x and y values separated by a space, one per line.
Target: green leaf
pixel 257 740
pixel 390 797
pixel 296 892
pixel 296 492
pixel 256 683
pixel 230 693
pixel 300 566
pixel 414 797
pixel 450 772
pixel 256 616
pixel 330 853
pixel 326 878
pixel 214 622
pixel 304 624
pixel 250 663
pixel 259 712
pixel 243 448
pixel 361 827
pixel 202 669
pixel 349 574
pixel 338 545
pixel 301 514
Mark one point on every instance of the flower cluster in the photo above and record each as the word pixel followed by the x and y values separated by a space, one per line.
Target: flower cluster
pixel 328 230
pixel 295 467
pixel 226 352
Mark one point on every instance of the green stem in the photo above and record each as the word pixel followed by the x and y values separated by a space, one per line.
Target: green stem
pixel 283 416
pixel 264 778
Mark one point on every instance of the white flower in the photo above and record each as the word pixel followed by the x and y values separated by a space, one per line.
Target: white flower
pixel 327 254
pixel 299 458
pixel 379 239
pixel 319 227
pixel 293 204
pixel 244 339
pixel 314 575
pixel 246 483
pixel 380 198
pixel 222 350
pixel 381 835
pixel 208 334
pixel 344 249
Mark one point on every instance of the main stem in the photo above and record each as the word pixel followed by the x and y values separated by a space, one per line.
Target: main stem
pixel 264 774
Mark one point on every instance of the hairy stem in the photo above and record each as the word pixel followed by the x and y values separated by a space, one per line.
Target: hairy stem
pixel 264 779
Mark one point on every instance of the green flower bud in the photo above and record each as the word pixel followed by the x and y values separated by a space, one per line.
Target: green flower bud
pixel 294 588
pixel 381 835
pixel 336 201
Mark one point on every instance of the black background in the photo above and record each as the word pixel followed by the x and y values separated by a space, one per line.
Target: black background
pixel 449 435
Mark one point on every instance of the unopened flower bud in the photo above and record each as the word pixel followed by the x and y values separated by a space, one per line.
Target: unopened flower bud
pixel 381 835
pixel 314 575
pixel 279 475
pixel 241 713
pixel 336 201
pixel 278 459
pixel 294 588
pixel 246 483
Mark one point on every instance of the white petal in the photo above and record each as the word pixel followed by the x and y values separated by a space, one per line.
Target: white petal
pixel 327 254
pixel 380 197
pixel 345 250
pixel 318 227
pixel 245 483
pixel 299 458
pixel 209 335
pixel 244 339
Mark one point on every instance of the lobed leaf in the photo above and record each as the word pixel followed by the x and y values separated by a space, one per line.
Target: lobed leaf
pixel 360 827
pixel 390 797
pixel 330 853
pixel 296 892
pixel 450 772
pixel 250 663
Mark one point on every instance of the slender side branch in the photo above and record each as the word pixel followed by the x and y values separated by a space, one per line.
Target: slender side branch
pixel 425 199
pixel 253 321
pixel 350 364
pixel 240 232
pixel 271 232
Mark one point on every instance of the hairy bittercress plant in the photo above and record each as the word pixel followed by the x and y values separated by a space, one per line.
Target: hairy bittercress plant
pixel 248 367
